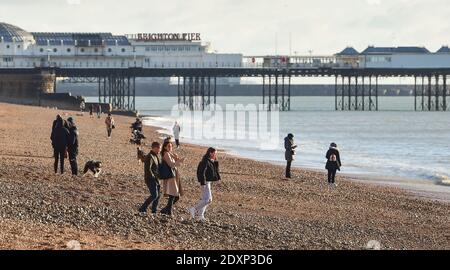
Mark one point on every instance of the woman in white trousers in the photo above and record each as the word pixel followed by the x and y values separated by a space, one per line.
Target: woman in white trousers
pixel 207 172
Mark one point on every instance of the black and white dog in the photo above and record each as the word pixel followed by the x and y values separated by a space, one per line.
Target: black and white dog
pixel 93 167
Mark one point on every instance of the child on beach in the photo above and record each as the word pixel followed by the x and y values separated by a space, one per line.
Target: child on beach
pixel 333 163
pixel 207 172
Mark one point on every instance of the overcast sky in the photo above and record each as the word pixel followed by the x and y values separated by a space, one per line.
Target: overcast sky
pixel 249 26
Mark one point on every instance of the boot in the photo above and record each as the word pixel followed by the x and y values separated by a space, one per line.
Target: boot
pixel 168 209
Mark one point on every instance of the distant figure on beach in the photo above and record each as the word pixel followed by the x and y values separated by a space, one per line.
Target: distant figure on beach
pixel 333 163
pixel 91 110
pixel 72 146
pixel 207 172
pixel 109 121
pixel 82 106
pixel 169 173
pixel 99 111
pixel 290 147
pixel 152 176
pixel 176 133
pixel 60 138
pixel 136 125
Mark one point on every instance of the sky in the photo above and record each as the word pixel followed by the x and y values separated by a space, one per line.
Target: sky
pixel 251 27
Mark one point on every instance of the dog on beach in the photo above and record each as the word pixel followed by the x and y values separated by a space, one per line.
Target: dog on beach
pixel 93 167
pixel 140 155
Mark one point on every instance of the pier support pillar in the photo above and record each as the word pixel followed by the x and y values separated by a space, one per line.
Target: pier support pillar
pixel 444 94
pixel 376 93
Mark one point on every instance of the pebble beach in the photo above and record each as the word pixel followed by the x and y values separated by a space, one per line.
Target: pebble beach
pixel 254 207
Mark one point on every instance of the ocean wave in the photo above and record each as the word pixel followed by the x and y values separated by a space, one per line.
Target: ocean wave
pixel 440 179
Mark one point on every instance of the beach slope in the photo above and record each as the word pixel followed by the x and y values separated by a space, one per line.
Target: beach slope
pixel 253 208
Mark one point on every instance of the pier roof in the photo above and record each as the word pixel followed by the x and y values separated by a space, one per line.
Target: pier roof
pixel 395 50
pixel 444 49
pixel 12 33
pixel 349 51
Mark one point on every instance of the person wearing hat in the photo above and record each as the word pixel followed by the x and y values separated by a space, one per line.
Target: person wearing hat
pixel 333 163
pixel 72 145
pixel 290 153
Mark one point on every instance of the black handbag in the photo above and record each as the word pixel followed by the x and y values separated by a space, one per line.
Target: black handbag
pixel 165 171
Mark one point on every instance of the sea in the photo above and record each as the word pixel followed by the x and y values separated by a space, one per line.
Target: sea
pixel 394 146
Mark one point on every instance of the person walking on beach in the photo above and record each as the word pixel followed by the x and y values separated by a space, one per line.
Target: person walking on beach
pixel 99 111
pixel 72 146
pixel 176 133
pixel 333 163
pixel 207 172
pixel 152 175
pixel 171 178
pixel 290 153
pixel 60 138
pixel 109 121
pixel 91 110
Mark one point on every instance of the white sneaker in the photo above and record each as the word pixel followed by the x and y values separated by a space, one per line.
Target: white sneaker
pixel 192 211
pixel 202 219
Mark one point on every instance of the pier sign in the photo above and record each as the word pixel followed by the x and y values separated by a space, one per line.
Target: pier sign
pixel 165 37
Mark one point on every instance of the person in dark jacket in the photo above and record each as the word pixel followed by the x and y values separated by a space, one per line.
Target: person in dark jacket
pixel 152 175
pixel 290 153
pixel 72 146
pixel 60 138
pixel 207 172
pixel 136 125
pixel 58 117
pixel 91 110
pixel 333 163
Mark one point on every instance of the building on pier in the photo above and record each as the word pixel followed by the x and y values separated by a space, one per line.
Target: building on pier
pixel 20 49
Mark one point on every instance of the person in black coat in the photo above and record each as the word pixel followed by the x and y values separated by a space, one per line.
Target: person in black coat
pixel 58 117
pixel 207 172
pixel 60 139
pixel 152 174
pixel 290 147
pixel 72 145
pixel 333 163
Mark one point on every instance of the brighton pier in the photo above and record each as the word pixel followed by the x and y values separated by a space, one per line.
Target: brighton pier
pixel 32 62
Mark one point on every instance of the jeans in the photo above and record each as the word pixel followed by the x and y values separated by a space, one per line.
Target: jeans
pixel 288 169
pixel 332 176
pixel 205 200
pixel 155 191
pixel 59 156
pixel 109 131
pixel 73 162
